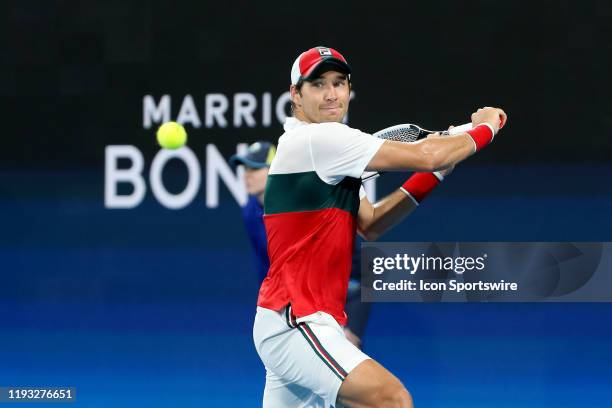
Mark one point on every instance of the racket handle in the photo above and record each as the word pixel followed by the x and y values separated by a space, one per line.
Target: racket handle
pixel 468 126
pixel 460 129
pixel 369 175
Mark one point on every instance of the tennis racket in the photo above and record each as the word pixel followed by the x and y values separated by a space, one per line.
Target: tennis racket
pixel 408 133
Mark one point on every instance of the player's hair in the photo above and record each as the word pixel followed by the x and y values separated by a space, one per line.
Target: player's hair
pixel 298 88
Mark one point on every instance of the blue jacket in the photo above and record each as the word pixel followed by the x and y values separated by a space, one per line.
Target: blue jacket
pixel 252 213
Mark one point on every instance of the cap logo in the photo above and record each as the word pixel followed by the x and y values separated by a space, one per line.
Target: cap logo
pixel 324 52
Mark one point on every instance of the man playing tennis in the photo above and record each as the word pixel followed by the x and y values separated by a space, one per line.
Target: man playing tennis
pixel 313 206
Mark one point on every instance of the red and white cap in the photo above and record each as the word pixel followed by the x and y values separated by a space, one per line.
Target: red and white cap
pixel 309 61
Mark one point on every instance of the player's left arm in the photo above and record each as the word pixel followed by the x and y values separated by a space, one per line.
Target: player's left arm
pixel 373 220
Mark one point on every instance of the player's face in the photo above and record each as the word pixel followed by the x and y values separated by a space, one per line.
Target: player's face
pixel 255 180
pixel 325 99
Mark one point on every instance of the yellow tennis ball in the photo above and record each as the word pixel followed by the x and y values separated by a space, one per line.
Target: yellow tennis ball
pixel 171 135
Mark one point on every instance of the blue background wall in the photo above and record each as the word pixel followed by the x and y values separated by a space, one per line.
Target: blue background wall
pixel 155 307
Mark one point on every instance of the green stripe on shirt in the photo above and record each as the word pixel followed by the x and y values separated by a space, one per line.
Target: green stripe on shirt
pixel 297 192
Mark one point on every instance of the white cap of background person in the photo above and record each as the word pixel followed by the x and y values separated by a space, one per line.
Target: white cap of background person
pixel 257 156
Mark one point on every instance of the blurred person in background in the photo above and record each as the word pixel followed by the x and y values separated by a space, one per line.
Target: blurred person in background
pixel 256 162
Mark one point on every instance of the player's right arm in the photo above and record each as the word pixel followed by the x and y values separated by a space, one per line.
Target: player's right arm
pixel 373 220
pixel 434 153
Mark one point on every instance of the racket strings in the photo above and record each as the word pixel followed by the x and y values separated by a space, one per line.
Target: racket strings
pixel 401 135
pixel 406 133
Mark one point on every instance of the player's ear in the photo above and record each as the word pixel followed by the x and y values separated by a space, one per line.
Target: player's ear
pixel 295 95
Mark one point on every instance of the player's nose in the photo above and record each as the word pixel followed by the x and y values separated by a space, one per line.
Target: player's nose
pixel 331 93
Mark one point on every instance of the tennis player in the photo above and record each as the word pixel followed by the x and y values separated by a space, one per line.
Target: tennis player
pixel 314 204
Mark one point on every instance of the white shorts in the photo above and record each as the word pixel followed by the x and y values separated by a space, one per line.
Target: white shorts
pixel 306 359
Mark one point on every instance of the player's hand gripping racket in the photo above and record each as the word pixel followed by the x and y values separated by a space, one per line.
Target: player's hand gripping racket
pixel 409 132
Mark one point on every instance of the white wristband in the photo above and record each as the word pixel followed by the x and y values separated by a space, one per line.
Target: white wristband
pixel 409 196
